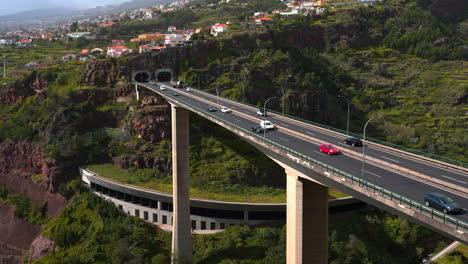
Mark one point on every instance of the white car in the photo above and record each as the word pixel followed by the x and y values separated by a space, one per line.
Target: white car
pixel 225 110
pixel 267 125
pixel 188 89
pixel 162 88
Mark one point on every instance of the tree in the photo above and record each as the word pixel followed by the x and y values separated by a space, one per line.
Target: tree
pixel 74 27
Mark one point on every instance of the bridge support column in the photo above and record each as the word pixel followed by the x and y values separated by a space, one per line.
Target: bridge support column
pixel 181 229
pixel 306 221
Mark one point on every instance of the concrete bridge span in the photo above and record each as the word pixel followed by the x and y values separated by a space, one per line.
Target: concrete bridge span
pixel 307 183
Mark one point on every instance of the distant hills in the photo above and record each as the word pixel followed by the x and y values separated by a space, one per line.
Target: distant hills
pixel 47 16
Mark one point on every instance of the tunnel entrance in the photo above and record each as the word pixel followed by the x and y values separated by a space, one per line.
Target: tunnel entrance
pixel 142 77
pixel 164 76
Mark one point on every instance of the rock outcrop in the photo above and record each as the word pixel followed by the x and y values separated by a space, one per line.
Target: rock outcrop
pixel 99 73
pixel 40 247
pixel 16 235
pixel 143 162
pixel 152 121
pixel 22 88
pixel 23 158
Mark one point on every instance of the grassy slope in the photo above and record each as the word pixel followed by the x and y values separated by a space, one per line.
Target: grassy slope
pixel 236 193
pixel 421 101
pixel 458 256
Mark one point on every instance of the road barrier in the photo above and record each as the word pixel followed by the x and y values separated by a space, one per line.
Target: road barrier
pixel 402 200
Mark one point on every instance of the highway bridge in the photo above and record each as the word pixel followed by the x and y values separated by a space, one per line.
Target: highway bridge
pixel 393 179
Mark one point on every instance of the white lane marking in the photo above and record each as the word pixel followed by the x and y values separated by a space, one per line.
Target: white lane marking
pixel 341 143
pixel 284 125
pixel 439 168
pixel 373 174
pixel 390 159
pixel 453 179
pixel 414 179
pixel 318 152
pixel 312 134
pixel 237 120
pixel 284 139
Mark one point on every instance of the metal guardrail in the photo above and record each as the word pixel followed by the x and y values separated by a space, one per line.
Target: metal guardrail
pixel 402 200
pixel 414 151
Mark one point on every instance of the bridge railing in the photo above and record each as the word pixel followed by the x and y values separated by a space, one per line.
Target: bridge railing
pixel 387 194
pixel 414 151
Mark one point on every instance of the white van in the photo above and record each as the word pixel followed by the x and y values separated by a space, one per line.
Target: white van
pixel 265 124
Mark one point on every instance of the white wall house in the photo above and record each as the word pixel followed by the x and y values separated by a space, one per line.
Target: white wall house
pixel 218 29
pixel 117 51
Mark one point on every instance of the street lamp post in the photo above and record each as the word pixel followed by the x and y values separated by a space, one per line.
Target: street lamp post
pixel 4 66
pixel 364 146
pixel 282 91
pixel 217 94
pixel 347 119
pixel 244 77
pixel 264 113
pixel 190 85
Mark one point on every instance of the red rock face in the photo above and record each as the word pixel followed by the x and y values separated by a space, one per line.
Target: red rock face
pixel 152 122
pixel 31 85
pixel 100 73
pixel 40 247
pixel 16 235
pixel 27 159
pixel 19 161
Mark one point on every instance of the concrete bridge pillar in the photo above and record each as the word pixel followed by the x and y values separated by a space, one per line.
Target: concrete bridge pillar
pixel 181 229
pixel 306 221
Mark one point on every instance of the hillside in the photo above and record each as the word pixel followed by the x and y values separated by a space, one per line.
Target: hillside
pixel 405 60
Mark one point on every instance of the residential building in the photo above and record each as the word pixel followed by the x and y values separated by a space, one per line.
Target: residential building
pixel 144 48
pixel 218 29
pixel 117 42
pixel 117 51
pixel 87 35
pixel 24 43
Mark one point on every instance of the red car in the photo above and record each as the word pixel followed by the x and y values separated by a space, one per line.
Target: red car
pixel 329 149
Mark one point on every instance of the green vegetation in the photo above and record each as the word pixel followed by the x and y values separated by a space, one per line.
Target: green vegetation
pixel 24 208
pixel 92 230
pixel 458 256
pixel 402 60
pixel 153 179
pixel 45 52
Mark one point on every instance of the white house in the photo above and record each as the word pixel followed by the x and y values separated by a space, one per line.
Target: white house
pixel 7 42
pixel 171 29
pixel 174 40
pixel 24 43
pixel 145 48
pixel 218 29
pixel 117 51
pixel 87 35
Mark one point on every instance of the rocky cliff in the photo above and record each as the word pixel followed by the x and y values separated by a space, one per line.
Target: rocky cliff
pixel 98 73
pixel 16 236
pixel 22 88
pixel 19 161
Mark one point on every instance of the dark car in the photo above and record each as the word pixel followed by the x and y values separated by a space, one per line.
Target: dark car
pixel 211 108
pixel 355 142
pixel 442 202
pixel 258 129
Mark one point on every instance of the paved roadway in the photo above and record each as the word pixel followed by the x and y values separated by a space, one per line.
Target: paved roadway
pixel 295 135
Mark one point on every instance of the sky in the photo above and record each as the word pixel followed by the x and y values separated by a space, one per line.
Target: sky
pixel 15 6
